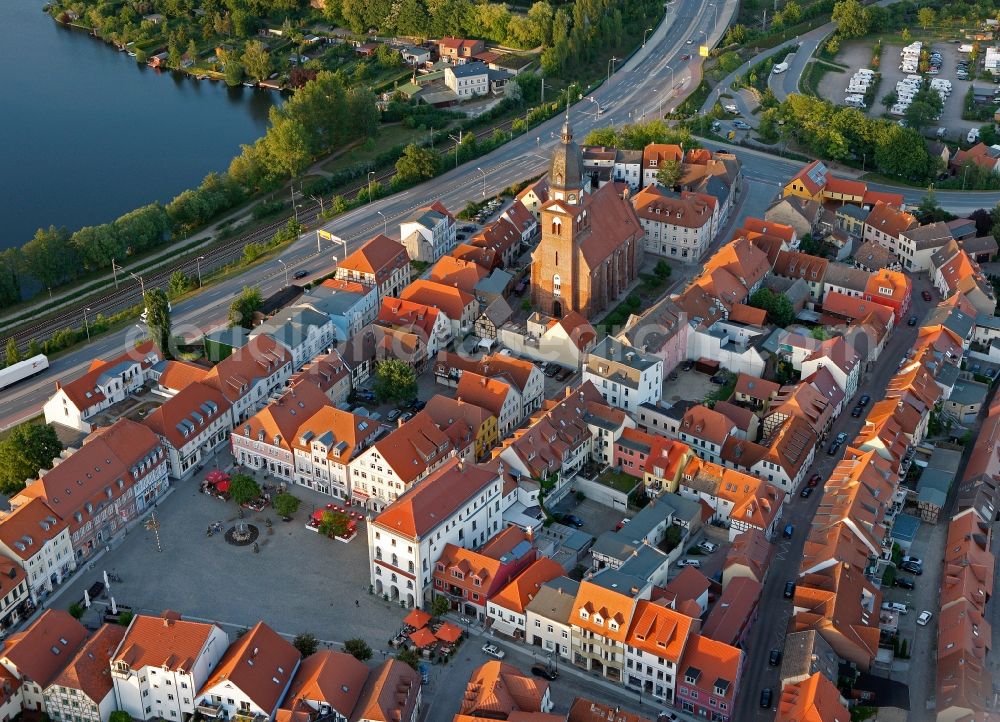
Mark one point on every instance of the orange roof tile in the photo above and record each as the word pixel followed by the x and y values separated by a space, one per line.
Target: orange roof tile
pixel 608 612
pixel 378 257
pixel 516 595
pixel 486 393
pixel 280 419
pixel 451 300
pixel 178 374
pixel 459 273
pixel 430 503
pixel 890 219
pixel 145 354
pixel 585 710
pixel 717 664
pixel 200 399
pixel 24 530
pixel 814 699
pixel 237 374
pixel 328 677
pixel 41 651
pixel 390 695
pixel 90 670
pixel 413 447
pixel 260 664
pixel 166 642
pixel 496 689
pixel 659 630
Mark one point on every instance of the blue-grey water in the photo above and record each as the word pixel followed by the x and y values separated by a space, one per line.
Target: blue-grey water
pixel 86 134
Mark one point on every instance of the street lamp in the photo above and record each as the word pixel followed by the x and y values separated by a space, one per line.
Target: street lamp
pixel 114 270
pixel 597 103
pixel 198 261
pixel 370 174
pixel 648 30
pixel 484 180
pixel 86 324
pixel 385 223
pixel 611 65
pixel 285 265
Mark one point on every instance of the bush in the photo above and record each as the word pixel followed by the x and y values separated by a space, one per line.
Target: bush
pixel 76 610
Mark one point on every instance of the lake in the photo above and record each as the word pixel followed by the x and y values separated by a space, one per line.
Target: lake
pixel 87 134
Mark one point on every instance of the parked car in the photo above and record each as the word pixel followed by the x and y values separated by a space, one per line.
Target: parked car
pixel 789 590
pixel 393 415
pixel 571 520
pixel 407 415
pixel 686 56
pixel 774 658
pixel 788 531
pixel 924 618
pixel 765 698
pixel 541 670
pixel 894 607
pixel 912 560
pixel 857 411
pixel 718 379
pixel 552 370
pixel 833 448
pixel 688 365
pixel 806 492
pixel 564 374
pixel 620 524
pixel 494 651
pixel 842 436
pixel 926 295
pixel 814 480
pixel 912 568
pixel 708 547
pixel 912 321
pixel 904 583
pixel 741 124
pixel 991 372
pixel 689 563
pixel 301 273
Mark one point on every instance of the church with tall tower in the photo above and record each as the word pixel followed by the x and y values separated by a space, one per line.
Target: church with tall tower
pixel 591 247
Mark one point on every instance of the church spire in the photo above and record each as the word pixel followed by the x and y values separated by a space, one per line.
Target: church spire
pixel 566 168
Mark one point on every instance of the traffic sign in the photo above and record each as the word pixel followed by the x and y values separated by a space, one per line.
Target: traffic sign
pixel 325 235
pixel 703 51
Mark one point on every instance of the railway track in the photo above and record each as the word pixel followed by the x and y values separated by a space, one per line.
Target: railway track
pixel 129 296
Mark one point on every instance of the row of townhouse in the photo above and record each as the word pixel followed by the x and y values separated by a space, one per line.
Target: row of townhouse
pixel 851 533
pixel 73 510
pixel 964 676
pixel 166 667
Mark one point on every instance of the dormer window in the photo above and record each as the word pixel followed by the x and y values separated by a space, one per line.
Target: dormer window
pixel 584 614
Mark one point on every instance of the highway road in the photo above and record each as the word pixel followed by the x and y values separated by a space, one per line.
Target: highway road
pixel 654 77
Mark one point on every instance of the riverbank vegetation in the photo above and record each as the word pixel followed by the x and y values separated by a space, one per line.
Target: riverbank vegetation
pixel 334 105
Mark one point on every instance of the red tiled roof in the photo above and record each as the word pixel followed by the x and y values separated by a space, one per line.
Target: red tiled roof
pixel 453 301
pixel 328 677
pixel 431 502
pixel 195 398
pixel 516 595
pixel 90 670
pixel 390 695
pixel 166 642
pixel 145 355
pixel 260 664
pixel 378 257
pixel 41 651
pixel 717 662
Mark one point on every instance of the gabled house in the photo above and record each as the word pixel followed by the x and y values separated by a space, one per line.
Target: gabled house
pixel 35 657
pixel 252 677
pixel 162 663
pixel 428 233
pixel 391 694
pixel 429 323
pixel 40 543
pixel 380 262
pixel 498 690
pixel 105 383
pixel 83 689
pixel 709 677
pixel 461 308
pixel 506 608
pixel 625 376
pixel 655 644
pixel 602 616
pixel 499 398
pixel 469 579
pixel 325 683
pixel 191 424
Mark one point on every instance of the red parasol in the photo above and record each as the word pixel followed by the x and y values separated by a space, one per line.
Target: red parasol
pixel 448 632
pixel 222 486
pixel 423 637
pixel 417 618
pixel 214 477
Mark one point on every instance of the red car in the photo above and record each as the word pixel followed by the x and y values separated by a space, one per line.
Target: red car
pixel 686 56
pixel 814 480
pixel 926 295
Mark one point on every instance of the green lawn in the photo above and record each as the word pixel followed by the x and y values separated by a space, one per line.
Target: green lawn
pixel 618 480
pixel 388 137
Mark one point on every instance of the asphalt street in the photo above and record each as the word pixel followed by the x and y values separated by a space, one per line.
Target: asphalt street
pixel 768 632
pixel 642 84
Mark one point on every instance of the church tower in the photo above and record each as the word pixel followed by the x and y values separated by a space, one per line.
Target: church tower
pixel 555 265
pixel 566 168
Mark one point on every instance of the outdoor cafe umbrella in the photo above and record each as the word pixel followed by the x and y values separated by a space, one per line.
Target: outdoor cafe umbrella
pixel 215 476
pixel 318 515
pixel 222 486
pixel 423 637
pixel 417 618
pixel 448 633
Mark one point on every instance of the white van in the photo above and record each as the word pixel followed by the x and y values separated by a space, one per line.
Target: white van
pixel 973 136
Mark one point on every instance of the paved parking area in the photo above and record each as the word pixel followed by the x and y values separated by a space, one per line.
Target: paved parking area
pixel 299 582
pixel 596 517
pixel 688 386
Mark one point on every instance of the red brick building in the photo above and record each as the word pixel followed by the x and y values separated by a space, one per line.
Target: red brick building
pixel 591 247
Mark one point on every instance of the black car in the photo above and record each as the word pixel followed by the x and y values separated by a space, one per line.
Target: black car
pixel 912 321
pixel 904 583
pixel 806 492
pixel 688 365
pixel 765 698
pixel 857 411
pixel 300 274
pixel 571 520
pixel 774 658
pixel 366 395
pixel 833 448
pixel 912 568
pixel 789 590
pixel 541 670
pixel 564 374
pixel 863 401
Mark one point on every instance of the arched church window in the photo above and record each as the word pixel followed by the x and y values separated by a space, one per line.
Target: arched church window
pixel 556 285
pixel 557 226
